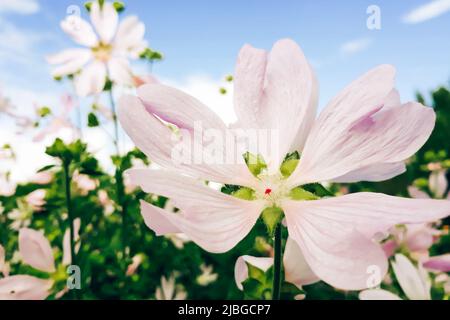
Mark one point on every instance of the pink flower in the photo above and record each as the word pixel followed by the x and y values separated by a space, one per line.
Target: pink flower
pixel 107 52
pixel 363 134
pixel 438 263
pixel 35 251
pixel 36 199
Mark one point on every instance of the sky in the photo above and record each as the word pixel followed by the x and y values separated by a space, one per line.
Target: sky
pixel 200 40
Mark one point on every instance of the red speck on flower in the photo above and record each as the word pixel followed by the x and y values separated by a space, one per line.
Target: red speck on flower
pixel 268 191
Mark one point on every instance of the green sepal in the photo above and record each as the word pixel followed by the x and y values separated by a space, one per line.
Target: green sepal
pixel 289 164
pixel 255 164
pixel 271 217
pixel 244 193
pixel 301 194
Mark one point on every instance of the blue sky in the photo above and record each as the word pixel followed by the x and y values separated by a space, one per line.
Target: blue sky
pixel 202 37
pixel 200 40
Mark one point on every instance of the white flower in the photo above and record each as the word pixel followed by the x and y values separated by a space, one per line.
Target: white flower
pixel 108 49
pixel 415 282
pixel 169 291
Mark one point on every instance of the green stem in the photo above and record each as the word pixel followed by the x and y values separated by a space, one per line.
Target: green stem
pixel 277 269
pixel 67 178
pixel 116 124
pixel 123 207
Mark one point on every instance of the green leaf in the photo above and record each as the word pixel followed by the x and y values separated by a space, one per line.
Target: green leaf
pixel 119 6
pixel 44 111
pixel 92 120
pixel 222 90
pixel 46 168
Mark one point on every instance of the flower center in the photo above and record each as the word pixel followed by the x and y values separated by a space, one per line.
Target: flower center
pixel 272 189
pixel 102 52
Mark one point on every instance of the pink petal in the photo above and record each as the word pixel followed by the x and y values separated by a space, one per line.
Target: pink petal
pixel 377 172
pixel 439 263
pixel 296 269
pixel 372 213
pixel 2 258
pixel 67 255
pixel 24 287
pixel 276 91
pixel 104 19
pixel 36 250
pixel 214 220
pixel 177 107
pixel 336 252
pixel 358 129
pixel 419 237
pixel 91 80
pixel 159 143
pixel 377 294
pixel 70 61
pixel 79 30
pixel 389 247
pixel 241 268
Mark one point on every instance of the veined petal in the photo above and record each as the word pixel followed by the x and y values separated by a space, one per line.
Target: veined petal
pixel 36 250
pixel 104 19
pixel 377 294
pixel 177 107
pixel 91 80
pixel 24 287
pixel 297 270
pixel 79 30
pixel 276 91
pixel 372 213
pixel 160 144
pixel 241 268
pixel 439 263
pixel 413 282
pixel 336 252
pixel 377 172
pixel 381 136
pixel 70 61
pixel 215 226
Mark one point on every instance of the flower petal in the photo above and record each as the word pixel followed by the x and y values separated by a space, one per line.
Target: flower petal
pixel 377 172
pixel 91 80
pixel 297 270
pixel 412 281
pixel 24 287
pixel 104 19
pixel 377 294
pixel 160 144
pixel 416 193
pixel 2 258
pixel 241 268
pixel 372 213
pixel 79 30
pixel 336 252
pixel 67 255
pixel 120 71
pixel 359 129
pixel 439 263
pixel 36 250
pixel 437 183
pixel 130 36
pixel 70 61
pixel 276 91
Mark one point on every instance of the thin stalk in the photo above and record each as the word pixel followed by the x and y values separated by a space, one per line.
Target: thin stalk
pixel 67 179
pixel 116 124
pixel 123 207
pixel 276 288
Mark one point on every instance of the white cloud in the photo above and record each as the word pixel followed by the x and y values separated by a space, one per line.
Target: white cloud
pixel 427 11
pixel 19 6
pixel 355 46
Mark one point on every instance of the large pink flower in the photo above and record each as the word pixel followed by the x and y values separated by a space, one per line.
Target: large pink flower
pixel 364 133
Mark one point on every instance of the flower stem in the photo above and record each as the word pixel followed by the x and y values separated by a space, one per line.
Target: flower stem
pixel 116 124
pixel 277 269
pixel 67 178
pixel 123 207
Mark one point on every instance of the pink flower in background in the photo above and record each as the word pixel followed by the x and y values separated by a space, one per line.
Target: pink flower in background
pixel 35 251
pixel 438 263
pixel 36 199
pixel 84 182
pixel 108 49
pixel 4 266
pixel 296 269
pixel 363 134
